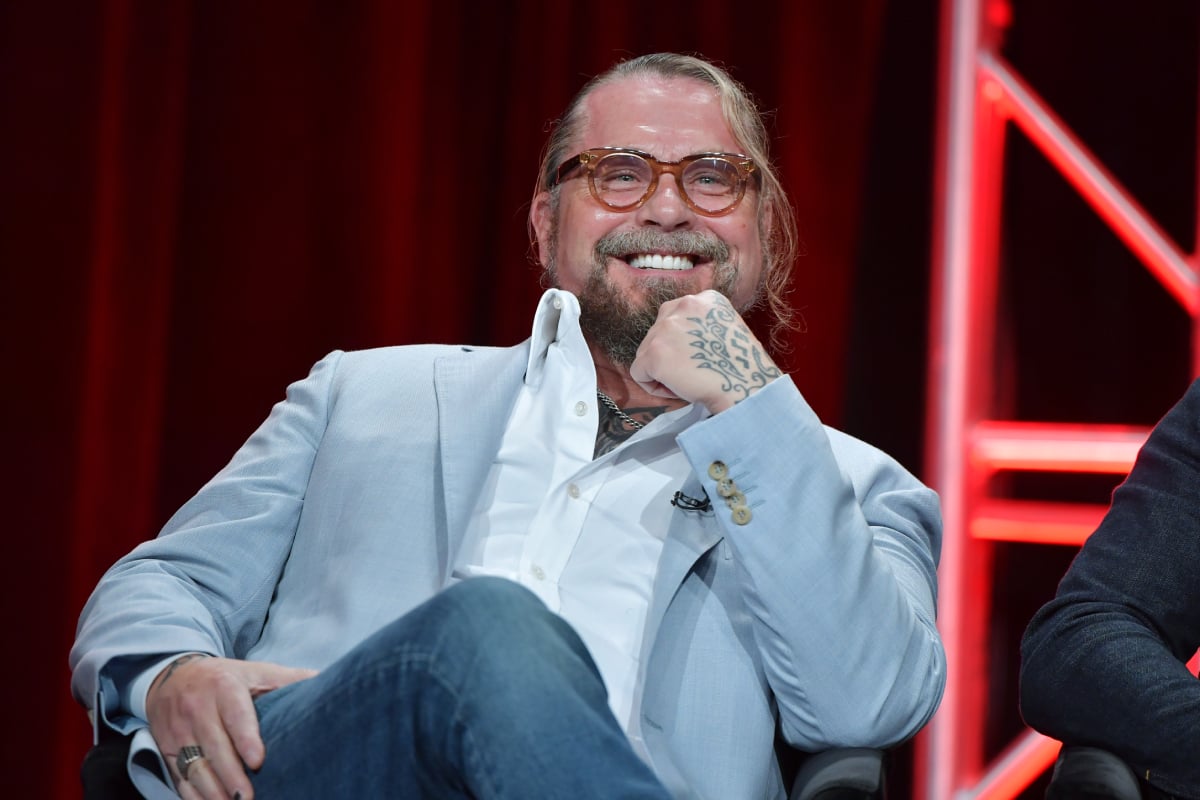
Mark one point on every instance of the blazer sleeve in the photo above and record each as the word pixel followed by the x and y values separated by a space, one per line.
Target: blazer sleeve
pixel 837 559
pixel 1104 662
pixel 205 583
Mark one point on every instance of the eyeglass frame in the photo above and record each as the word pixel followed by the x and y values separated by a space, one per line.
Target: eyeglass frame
pixel 589 158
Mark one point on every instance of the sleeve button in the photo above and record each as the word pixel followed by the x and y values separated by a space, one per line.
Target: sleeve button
pixel 717 470
pixel 742 514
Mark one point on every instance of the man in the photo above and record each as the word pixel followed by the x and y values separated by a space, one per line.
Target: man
pixel 1104 663
pixel 609 562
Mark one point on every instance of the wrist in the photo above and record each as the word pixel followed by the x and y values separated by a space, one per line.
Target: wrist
pixel 169 669
pixel 736 394
pixel 135 693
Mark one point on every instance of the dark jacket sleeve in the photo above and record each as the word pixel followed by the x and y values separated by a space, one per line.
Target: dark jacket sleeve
pixel 1103 663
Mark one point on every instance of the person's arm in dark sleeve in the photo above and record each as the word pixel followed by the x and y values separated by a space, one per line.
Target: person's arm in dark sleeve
pixel 1104 662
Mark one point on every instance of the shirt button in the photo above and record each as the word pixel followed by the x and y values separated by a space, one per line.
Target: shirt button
pixel 537 572
pixel 573 491
pixel 717 470
pixel 580 408
pixel 557 303
pixel 741 515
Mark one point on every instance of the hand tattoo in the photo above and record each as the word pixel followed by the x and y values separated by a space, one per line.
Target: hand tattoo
pixel 166 674
pixel 725 345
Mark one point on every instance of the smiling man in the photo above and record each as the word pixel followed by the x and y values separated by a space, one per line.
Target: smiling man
pixel 661 216
pixel 612 561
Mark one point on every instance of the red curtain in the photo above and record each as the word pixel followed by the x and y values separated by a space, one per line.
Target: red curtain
pixel 198 200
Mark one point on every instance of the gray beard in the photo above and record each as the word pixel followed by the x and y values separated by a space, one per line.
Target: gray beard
pixel 618 325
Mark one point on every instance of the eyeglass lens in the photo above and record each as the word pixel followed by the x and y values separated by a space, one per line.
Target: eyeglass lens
pixel 710 182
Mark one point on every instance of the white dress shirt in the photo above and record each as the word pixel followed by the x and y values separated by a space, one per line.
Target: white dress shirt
pixel 583 534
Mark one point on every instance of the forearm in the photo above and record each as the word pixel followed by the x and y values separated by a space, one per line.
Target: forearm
pixel 838 567
pixel 1104 662
pixel 1093 674
pixel 205 583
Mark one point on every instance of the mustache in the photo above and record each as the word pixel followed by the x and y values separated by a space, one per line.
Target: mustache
pixel 619 244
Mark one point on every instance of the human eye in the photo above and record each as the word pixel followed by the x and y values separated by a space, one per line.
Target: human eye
pixel 711 176
pixel 621 173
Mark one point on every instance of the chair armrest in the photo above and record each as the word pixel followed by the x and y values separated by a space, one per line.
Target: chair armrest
pixel 852 773
pixel 104 774
pixel 1089 773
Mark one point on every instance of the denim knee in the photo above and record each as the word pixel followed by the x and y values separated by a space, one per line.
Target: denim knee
pixel 489 607
pixel 499 619
pixel 503 595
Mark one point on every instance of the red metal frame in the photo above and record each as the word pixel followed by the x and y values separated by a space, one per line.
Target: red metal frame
pixel 982 97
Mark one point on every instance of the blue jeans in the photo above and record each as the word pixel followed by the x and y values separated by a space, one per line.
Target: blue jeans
pixel 481 692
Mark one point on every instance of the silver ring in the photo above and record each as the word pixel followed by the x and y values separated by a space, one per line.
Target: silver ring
pixel 188 754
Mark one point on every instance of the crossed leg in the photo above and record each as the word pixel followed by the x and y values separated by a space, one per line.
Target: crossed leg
pixel 481 692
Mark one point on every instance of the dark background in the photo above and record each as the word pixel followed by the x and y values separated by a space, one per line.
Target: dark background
pixel 198 200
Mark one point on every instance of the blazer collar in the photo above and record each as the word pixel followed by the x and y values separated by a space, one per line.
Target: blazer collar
pixel 476 390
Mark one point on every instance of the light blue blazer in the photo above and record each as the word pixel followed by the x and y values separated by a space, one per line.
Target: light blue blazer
pixel 347 508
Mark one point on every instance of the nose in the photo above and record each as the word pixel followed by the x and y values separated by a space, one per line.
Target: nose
pixel 666 208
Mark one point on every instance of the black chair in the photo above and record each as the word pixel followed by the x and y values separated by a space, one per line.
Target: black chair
pixel 844 774
pixel 103 772
pixel 1090 773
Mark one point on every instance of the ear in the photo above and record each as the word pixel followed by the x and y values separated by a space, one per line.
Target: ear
pixel 541 221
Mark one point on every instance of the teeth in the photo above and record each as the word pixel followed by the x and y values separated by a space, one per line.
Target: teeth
pixel 660 262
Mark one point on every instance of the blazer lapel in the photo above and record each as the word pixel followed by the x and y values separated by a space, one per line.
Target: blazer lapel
pixel 692 534
pixel 475 391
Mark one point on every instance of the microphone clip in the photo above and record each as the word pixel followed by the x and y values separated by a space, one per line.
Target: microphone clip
pixel 685 503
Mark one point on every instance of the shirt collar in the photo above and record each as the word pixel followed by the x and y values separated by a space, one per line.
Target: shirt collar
pixel 556 321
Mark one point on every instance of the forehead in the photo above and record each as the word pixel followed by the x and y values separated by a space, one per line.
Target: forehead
pixel 667 117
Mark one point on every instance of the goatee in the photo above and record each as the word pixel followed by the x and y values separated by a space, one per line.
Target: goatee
pixel 618 324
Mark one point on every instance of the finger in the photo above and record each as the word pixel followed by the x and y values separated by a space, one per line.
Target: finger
pixel 263 677
pixel 226 770
pixel 639 370
pixel 642 377
pixel 222 765
pixel 185 789
pixel 202 781
pixel 239 721
pixel 185 786
pixel 645 373
pixel 199 721
pixel 222 768
pixel 658 389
